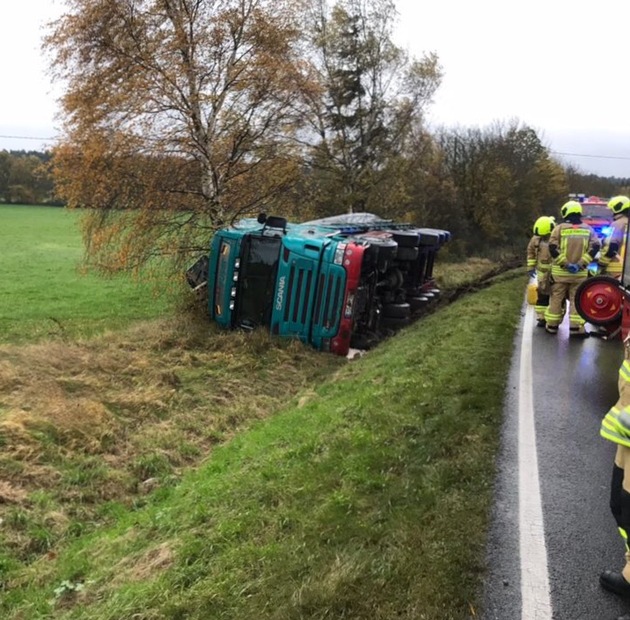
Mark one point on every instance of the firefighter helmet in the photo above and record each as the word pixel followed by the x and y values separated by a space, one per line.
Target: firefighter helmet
pixel 570 208
pixel 544 225
pixel 619 204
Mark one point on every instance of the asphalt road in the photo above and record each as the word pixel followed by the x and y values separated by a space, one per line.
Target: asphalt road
pixel 573 384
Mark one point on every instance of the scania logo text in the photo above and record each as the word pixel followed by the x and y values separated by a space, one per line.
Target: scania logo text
pixel 280 294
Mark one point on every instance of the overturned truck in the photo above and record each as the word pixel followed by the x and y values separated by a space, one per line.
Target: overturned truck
pixel 334 283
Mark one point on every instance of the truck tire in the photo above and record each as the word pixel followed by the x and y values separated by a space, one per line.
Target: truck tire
pixel 407 254
pixel 406 238
pixel 393 322
pixel 418 303
pixel 396 311
pixel 387 247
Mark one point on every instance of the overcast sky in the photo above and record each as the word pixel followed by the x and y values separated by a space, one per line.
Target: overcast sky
pixel 560 66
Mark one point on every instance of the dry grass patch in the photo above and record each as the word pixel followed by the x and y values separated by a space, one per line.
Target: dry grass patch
pixel 145 565
pixel 87 423
pixel 11 495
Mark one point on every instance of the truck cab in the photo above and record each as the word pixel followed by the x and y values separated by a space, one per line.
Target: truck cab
pixel 334 283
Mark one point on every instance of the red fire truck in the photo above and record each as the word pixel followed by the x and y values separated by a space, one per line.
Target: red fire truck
pixel 595 213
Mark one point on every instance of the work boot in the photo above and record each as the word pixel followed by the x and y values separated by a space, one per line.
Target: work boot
pixel 541 323
pixel 551 329
pixel 614 582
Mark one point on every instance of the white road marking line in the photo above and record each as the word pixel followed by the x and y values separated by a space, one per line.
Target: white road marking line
pixel 535 595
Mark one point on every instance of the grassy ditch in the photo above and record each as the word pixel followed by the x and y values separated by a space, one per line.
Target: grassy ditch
pixel 366 497
pixel 91 427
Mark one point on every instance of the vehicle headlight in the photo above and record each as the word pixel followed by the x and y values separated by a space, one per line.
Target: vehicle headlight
pixel 339 252
pixel 347 312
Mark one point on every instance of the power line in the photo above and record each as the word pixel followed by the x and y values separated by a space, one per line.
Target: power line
pixel 552 152
pixel 584 155
pixel 29 138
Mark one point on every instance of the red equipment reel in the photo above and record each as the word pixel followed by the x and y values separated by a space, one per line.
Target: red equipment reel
pixel 599 300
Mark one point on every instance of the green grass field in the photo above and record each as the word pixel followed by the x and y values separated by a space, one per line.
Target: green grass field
pixel 44 291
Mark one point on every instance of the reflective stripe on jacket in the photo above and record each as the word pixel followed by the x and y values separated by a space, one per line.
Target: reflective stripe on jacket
pixel 575 243
pixel 613 265
pixel 616 424
pixel 538 256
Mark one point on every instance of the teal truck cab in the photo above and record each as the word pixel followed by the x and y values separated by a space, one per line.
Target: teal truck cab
pixel 334 283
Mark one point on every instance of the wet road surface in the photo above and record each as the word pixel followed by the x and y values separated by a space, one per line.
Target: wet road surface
pixel 573 384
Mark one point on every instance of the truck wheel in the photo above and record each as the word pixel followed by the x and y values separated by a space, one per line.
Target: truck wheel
pixel 408 254
pixel 385 246
pixel 418 303
pixel 393 322
pixel 399 311
pixel 406 238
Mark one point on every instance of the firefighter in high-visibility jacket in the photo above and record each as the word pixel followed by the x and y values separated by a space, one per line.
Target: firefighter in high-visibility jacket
pixel 539 264
pixel 613 251
pixel 616 428
pixel 572 245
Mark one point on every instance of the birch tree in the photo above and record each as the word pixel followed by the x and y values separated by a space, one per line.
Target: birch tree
pixel 175 118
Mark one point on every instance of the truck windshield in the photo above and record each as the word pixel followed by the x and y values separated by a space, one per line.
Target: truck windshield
pixel 256 281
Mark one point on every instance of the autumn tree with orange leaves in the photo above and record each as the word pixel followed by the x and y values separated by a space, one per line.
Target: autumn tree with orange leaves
pixel 176 117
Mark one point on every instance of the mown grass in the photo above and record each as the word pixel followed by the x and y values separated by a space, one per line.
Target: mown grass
pixel 366 497
pixel 45 293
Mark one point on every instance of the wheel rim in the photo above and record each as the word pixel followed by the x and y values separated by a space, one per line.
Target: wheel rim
pixel 598 300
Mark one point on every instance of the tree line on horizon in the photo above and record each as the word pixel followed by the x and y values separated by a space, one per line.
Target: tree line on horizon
pixel 25 178
pixel 182 117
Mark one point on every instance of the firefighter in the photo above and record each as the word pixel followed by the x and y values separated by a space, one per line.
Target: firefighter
pixel 539 263
pixel 611 257
pixel 616 428
pixel 572 246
